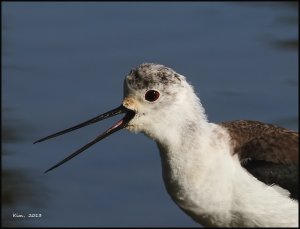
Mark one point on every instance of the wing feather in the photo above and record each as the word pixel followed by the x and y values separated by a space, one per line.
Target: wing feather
pixel 268 152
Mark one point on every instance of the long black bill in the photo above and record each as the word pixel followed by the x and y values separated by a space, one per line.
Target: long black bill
pixel 118 126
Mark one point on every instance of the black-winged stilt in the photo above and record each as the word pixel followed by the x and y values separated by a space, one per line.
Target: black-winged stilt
pixel 239 173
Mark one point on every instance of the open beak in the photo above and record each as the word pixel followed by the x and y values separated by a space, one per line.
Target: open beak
pixel 118 126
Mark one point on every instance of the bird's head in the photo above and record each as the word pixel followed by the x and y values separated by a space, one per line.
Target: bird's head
pixel 155 94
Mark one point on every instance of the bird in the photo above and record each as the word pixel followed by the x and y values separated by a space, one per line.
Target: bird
pixel 239 173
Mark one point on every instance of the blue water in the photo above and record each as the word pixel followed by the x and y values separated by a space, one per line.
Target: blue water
pixel 63 63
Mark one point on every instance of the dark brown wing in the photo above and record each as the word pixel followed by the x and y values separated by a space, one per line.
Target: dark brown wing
pixel 268 152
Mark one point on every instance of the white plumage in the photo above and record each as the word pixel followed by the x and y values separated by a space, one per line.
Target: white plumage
pixel 200 170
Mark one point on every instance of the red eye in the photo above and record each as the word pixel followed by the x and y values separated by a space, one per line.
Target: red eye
pixel 151 95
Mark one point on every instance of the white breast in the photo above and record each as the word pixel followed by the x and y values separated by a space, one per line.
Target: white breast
pixel 211 186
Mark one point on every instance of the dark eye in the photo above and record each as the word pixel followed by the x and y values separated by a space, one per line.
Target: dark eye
pixel 151 95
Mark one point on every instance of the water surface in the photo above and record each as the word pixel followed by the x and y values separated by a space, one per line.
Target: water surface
pixel 63 63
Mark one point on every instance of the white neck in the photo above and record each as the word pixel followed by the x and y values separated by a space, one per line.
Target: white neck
pixel 207 182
